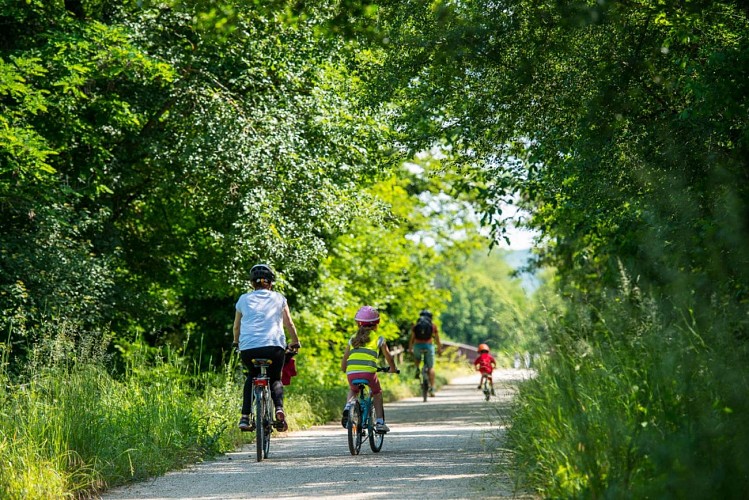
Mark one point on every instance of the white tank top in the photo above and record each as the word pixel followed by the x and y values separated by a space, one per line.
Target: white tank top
pixel 262 319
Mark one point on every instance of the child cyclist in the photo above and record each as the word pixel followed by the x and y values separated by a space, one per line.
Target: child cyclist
pixel 360 361
pixel 485 363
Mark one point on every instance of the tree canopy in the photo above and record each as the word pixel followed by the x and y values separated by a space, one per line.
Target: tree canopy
pixel 621 126
pixel 151 152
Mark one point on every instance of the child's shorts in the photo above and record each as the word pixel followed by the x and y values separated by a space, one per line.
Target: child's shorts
pixel 374 383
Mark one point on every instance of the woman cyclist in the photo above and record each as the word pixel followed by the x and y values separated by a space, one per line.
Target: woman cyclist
pixel 259 323
pixel 360 361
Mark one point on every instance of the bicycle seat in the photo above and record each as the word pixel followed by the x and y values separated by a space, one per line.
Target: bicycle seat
pixel 358 381
pixel 261 361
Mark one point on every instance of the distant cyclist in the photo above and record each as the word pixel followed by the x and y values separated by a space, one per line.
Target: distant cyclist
pixel 259 323
pixel 424 334
pixel 360 361
pixel 485 364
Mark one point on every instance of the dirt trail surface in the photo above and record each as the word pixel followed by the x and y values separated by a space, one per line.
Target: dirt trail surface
pixel 436 450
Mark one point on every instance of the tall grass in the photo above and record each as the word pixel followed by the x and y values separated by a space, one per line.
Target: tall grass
pixel 630 404
pixel 70 426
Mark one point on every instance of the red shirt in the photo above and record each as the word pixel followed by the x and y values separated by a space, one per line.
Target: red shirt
pixel 485 362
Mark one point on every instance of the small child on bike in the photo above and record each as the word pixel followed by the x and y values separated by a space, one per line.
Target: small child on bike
pixel 360 361
pixel 485 363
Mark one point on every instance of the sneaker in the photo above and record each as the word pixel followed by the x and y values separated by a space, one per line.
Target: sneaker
pixel 344 418
pixel 417 373
pixel 478 388
pixel 381 428
pixel 493 393
pixel 246 424
pixel 280 423
pixel 431 391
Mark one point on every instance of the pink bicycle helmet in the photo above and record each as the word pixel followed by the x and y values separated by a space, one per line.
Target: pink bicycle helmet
pixel 367 315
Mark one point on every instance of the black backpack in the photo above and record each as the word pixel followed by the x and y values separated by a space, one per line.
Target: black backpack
pixel 423 328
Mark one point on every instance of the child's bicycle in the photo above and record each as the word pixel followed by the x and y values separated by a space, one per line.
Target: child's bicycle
pixel 361 419
pixel 486 388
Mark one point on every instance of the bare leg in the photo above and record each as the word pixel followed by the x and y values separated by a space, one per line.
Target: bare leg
pixel 379 406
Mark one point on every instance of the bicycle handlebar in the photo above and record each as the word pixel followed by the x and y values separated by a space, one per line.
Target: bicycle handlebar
pixel 386 369
pixel 291 350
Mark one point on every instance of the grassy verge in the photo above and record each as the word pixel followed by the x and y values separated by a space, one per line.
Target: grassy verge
pixel 632 406
pixel 73 429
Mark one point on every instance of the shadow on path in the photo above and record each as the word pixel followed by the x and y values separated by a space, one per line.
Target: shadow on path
pixel 440 449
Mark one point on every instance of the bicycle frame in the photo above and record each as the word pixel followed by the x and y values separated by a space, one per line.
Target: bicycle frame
pixel 361 420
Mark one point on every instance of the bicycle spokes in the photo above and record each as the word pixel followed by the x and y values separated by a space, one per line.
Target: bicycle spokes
pixel 354 429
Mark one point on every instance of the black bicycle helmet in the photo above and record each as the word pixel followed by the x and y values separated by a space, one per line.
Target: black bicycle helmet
pixel 262 272
pixel 426 313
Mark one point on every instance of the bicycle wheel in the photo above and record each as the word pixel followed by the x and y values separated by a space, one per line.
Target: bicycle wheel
pixel 354 428
pixel 486 390
pixel 268 421
pixel 425 383
pixel 259 424
pixel 375 438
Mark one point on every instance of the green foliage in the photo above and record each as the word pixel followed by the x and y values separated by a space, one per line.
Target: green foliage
pixel 73 428
pixel 620 127
pixel 169 147
pixel 634 405
pixel 614 122
pixel 403 239
pixel 489 306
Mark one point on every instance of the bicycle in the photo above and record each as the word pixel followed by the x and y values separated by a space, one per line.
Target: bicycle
pixel 263 407
pixel 424 376
pixel 424 380
pixel 485 387
pixel 361 420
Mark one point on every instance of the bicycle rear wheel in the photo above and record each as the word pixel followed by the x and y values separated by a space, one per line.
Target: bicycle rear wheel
pixel 375 438
pixel 260 429
pixel 425 383
pixel 268 421
pixel 486 390
pixel 354 428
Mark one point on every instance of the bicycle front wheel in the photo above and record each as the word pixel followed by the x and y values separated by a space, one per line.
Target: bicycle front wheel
pixel 375 438
pixel 354 428
pixel 260 430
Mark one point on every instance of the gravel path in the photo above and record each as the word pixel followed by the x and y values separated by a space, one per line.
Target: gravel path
pixel 441 449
